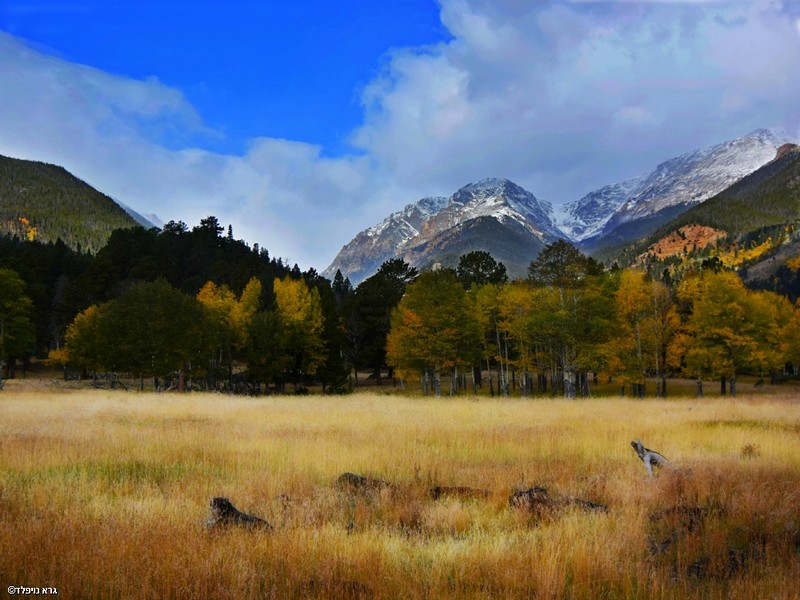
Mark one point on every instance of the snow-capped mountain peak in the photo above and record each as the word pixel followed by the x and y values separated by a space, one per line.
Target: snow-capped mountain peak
pixel 416 231
pixel 678 182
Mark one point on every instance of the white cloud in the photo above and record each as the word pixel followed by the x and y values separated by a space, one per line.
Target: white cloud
pixel 555 95
pixel 108 130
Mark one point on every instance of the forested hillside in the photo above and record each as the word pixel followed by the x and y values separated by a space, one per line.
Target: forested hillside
pixel 44 202
pixel 180 297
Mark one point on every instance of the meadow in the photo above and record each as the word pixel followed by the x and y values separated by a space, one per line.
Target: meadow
pixel 105 495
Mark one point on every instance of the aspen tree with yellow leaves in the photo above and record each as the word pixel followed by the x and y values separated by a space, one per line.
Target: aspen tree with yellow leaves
pixel 230 318
pixel 731 329
pixel 300 312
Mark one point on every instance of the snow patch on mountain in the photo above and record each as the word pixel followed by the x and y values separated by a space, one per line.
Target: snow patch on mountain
pixel 586 217
pixel 696 176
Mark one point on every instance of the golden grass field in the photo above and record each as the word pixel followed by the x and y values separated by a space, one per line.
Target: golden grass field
pixel 105 495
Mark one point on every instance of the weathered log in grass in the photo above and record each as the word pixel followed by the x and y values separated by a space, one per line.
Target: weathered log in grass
pixel 538 499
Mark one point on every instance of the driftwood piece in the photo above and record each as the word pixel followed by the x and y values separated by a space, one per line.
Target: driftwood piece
pixel 353 482
pixel 224 513
pixel 538 499
pixel 649 457
pixel 460 492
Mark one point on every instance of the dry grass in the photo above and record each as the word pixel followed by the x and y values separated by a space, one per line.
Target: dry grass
pixel 105 495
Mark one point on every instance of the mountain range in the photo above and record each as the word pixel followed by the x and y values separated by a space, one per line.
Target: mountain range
pixel 45 202
pixel 500 217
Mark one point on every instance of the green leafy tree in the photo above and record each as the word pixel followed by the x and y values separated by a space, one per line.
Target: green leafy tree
pixel 433 329
pixel 485 307
pixel 368 319
pixel 267 359
pixel 577 313
pixel 152 329
pixel 561 264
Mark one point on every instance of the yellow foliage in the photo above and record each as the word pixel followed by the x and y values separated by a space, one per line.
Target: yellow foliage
pixel 30 231
pixel 740 256
pixel 57 358
pixel 794 263
pixel 232 315
pixel 300 312
pixel 297 305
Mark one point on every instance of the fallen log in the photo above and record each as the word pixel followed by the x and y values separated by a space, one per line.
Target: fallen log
pixel 460 492
pixel 360 483
pixel 538 499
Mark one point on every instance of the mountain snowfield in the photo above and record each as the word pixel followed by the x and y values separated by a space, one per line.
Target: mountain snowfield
pixel 508 221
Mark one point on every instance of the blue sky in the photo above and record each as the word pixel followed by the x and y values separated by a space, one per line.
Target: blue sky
pixel 302 123
pixel 290 70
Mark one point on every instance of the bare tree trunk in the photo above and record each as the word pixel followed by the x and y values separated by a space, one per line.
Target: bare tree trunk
pixel 505 378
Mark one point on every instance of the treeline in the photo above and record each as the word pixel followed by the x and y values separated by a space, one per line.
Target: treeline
pixel 198 309
pixel 572 322
pixel 192 307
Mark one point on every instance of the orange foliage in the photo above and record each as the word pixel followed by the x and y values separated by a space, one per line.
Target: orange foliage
pixel 688 237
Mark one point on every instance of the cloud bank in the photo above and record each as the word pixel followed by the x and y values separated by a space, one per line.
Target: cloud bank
pixel 562 97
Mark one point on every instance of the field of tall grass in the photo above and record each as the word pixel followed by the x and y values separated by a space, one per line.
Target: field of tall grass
pixel 105 495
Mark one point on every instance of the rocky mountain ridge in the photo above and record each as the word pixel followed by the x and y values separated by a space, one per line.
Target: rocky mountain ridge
pixel 673 186
pixel 428 230
pixel 498 216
